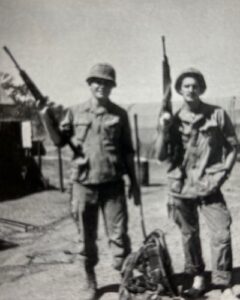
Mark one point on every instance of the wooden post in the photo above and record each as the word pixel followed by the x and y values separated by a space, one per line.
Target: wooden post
pixel 39 155
pixel 60 169
pixel 139 174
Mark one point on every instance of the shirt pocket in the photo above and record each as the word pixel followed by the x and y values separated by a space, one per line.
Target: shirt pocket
pixel 81 128
pixel 111 129
pixel 210 132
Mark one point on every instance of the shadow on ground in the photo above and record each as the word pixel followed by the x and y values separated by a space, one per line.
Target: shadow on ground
pixel 183 281
pixel 111 288
pixel 16 192
pixel 5 245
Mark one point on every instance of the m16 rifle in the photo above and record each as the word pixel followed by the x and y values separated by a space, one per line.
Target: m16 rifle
pixel 52 123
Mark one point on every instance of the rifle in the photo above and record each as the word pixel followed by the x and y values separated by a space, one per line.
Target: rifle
pixel 172 135
pixel 27 80
pixel 166 105
pixel 42 99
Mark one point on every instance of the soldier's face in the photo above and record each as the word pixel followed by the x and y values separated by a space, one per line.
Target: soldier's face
pixel 190 89
pixel 100 88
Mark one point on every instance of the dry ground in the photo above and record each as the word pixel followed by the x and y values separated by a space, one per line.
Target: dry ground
pixel 42 263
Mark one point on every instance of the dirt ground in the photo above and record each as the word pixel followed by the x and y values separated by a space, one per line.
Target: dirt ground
pixel 41 262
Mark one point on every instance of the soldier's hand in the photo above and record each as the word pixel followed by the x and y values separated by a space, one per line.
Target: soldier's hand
pixel 44 104
pixel 165 120
pixel 134 191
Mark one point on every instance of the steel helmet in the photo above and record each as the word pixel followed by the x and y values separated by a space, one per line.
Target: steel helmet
pixel 192 72
pixel 103 71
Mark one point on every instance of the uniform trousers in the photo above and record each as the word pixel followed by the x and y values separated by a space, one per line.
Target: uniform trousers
pixel 110 198
pixel 218 219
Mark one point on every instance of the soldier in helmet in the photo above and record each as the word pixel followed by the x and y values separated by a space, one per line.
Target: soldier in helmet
pixel 206 155
pixel 102 133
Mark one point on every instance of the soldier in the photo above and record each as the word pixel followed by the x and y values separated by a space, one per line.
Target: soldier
pixel 206 153
pixel 102 133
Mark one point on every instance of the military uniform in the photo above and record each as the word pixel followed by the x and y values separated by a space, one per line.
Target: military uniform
pixel 205 136
pixel 98 132
pixel 200 143
pixel 104 136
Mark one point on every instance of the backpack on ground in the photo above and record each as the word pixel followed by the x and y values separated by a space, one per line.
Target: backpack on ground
pixel 147 274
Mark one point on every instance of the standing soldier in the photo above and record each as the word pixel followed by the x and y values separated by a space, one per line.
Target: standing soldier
pixel 101 131
pixel 206 150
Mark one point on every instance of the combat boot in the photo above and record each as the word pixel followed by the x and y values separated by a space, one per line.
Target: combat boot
pixel 197 290
pixel 90 287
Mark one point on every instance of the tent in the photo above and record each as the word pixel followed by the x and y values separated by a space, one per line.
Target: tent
pixel 21 137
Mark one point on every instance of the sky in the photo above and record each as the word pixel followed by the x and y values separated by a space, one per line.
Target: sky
pixel 58 41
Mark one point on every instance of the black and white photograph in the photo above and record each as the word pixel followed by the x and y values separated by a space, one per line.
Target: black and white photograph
pixel 119 149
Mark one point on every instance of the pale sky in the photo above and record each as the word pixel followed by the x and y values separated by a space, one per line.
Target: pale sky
pixel 57 41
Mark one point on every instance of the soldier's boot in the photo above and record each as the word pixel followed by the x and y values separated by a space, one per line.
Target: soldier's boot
pixel 90 287
pixel 197 290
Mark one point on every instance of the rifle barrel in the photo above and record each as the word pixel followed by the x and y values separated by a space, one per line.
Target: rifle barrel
pixel 33 88
pixel 5 48
pixel 164 45
pixel 137 144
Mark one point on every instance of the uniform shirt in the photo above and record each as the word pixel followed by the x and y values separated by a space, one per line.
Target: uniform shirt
pixel 206 136
pixel 105 136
